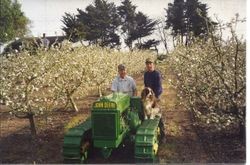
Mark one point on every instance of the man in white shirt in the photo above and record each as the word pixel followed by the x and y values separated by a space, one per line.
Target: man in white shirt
pixel 123 83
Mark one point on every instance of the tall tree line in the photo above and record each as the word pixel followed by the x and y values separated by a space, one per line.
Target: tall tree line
pixel 188 19
pixel 104 24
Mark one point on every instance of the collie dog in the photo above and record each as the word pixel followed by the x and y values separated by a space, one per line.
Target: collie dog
pixel 149 102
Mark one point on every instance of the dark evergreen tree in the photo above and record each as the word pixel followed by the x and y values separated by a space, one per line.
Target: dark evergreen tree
pixel 127 12
pixel 73 29
pixel 13 22
pixel 101 23
pixel 195 22
pixel 135 25
pixel 176 18
pixel 150 44
pixel 188 19
pixel 144 26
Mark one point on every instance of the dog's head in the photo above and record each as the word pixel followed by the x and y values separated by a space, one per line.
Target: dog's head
pixel 147 93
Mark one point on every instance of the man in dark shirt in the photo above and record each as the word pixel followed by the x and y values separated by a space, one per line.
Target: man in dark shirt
pixel 152 79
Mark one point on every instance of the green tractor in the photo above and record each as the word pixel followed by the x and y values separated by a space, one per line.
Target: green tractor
pixel 113 119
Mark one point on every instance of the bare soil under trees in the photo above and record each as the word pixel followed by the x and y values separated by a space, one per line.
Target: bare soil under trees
pixel 184 142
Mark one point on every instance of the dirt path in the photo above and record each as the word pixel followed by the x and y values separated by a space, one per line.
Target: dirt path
pixel 182 144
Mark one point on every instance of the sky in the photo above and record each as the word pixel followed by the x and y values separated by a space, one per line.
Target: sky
pixel 46 15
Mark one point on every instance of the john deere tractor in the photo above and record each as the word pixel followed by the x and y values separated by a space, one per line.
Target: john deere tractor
pixel 113 119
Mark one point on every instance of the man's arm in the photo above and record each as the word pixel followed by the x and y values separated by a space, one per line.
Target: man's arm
pixel 114 86
pixel 134 88
pixel 145 79
pixel 135 92
pixel 158 84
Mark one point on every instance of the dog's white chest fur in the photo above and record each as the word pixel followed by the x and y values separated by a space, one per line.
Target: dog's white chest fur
pixel 149 104
pixel 149 111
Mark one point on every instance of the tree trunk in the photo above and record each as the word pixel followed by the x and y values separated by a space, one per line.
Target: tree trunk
pixel 182 39
pixel 242 131
pixel 174 42
pixel 32 124
pixel 166 47
pixel 73 103
pixel 100 91
pixel 242 125
pixel 157 52
pixel 30 116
